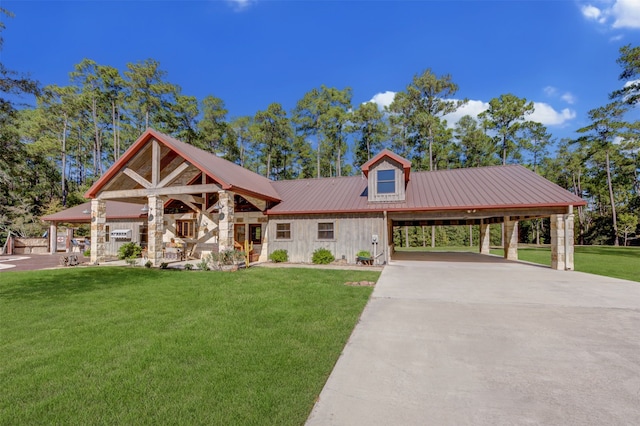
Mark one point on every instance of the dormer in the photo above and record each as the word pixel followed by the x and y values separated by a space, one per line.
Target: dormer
pixel 387 175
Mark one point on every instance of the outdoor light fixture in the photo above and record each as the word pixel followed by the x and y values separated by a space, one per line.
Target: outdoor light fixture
pixel 144 208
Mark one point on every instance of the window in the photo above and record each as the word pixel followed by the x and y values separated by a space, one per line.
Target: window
pixel 325 231
pixel 283 231
pixel 185 228
pixel 386 181
pixel 255 232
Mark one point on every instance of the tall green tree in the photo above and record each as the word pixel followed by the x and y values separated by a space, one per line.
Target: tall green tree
pixel 370 128
pixel 323 114
pixel 149 93
pixel 536 139
pixel 629 60
pixel 217 134
pixel 424 103
pixel 505 117
pixel 273 134
pixel 600 135
pixel 475 148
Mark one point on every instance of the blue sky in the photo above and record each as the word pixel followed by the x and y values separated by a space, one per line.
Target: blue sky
pixel 559 54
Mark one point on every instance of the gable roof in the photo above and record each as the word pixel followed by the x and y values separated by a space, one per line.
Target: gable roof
pixel 404 163
pixel 115 210
pixel 229 175
pixel 496 187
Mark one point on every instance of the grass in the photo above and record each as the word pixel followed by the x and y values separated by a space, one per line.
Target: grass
pixel 616 262
pixel 139 346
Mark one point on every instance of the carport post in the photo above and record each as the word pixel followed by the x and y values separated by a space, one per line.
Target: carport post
pixel 53 237
pixel 98 220
pixel 485 238
pixel 510 239
pixel 562 241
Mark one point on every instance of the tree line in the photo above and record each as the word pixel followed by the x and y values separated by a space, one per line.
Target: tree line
pixel 52 151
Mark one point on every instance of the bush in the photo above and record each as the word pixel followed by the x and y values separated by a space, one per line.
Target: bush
pixel 129 251
pixel 203 265
pixel 188 266
pixel 148 264
pixel 87 253
pixel 280 255
pixel 322 256
pixel 363 253
pixel 164 265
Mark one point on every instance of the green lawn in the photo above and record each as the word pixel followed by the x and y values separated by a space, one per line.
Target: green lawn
pixel 137 346
pixel 617 262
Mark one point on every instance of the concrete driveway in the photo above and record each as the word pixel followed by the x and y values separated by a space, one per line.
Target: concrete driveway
pixel 465 339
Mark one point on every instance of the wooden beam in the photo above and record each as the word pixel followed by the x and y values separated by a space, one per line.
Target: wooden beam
pixel 135 176
pixel 174 174
pixel 167 190
pixel 155 163
pixel 189 198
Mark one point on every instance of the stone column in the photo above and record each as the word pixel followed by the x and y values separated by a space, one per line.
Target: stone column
pixel 53 237
pixel 485 238
pixel 98 220
pixel 562 241
pixel 225 220
pixel 557 242
pixel 568 240
pixel 155 229
pixel 510 239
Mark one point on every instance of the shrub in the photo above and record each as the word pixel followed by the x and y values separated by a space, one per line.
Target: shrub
pixel 363 253
pixel 129 251
pixel 164 265
pixel 148 264
pixel 87 253
pixel 188 266
pixel 322 256
pixel 203 265
pixel 280 255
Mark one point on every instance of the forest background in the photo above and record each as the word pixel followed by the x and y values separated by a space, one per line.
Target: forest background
pixel 51 152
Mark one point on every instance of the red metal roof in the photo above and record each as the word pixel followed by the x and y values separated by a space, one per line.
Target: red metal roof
pixel 115 210
pixel 456 189
pixel 230 176
pixel 406 164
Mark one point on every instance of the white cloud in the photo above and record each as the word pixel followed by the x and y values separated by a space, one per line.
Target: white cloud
pixel 383 99
pixel 240 5
pixel 616 37
pixel 568 98
pixel 545 114
pixel 472 108
pixel 550 91
pixel 591 12
pixel 626 13
pixel 623 13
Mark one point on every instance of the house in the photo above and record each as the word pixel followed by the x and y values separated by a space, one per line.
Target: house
pixel 209 204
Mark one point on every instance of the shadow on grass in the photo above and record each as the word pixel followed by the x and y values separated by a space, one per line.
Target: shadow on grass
pixel 609 251
pixel 64 283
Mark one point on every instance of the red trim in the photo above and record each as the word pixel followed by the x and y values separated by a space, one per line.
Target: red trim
pixel 380 209
pixel 406 164
pixel 138 144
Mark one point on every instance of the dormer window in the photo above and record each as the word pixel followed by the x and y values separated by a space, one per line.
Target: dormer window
pixel 386 181
pixel 387 175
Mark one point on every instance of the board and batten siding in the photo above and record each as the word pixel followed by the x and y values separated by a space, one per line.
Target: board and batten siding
pixel 398 194
pixel 352 233
pixel 113 245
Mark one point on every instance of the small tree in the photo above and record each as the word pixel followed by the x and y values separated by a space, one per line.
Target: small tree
pixel 627 224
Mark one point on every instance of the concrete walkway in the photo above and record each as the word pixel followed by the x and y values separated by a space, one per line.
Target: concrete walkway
pixel 465 339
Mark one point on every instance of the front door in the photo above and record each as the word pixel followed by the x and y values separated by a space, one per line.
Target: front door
pixel 240 233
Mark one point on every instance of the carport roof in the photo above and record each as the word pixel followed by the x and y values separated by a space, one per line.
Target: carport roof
pixel 498 187
pixel 115 210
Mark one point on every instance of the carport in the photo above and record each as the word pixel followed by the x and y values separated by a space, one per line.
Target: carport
pixel 562 224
